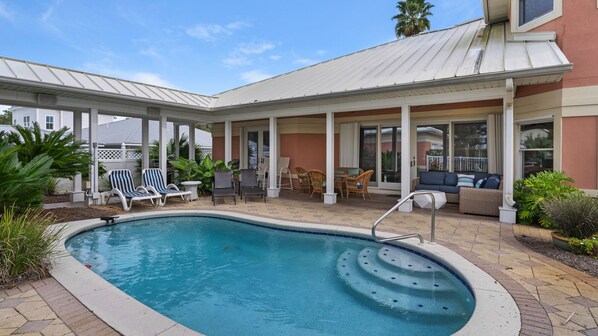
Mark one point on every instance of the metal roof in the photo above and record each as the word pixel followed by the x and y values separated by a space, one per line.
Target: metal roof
pixel 470 51
pixel 46 76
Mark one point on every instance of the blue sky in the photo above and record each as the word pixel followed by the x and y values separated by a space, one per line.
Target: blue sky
pixel 202 46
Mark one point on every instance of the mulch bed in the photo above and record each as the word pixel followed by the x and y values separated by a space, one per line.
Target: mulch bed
pixel 50 199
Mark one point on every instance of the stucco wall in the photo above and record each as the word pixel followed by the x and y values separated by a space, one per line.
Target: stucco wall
pixel 580 139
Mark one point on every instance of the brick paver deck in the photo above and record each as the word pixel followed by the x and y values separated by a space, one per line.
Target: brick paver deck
pixel 554 299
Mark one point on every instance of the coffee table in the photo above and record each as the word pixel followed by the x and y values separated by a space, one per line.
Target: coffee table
pixel 425 200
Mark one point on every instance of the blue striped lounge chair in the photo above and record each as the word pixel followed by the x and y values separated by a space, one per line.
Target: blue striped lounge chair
pixel 122 185
pixel 154 182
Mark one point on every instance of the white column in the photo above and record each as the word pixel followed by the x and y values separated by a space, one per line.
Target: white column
pixel 123 154
pixel 144 143
pixel 507 213
pixel 176 134
pixel 228 141
pixel 163 141
pixel 273 191
pixel 406 157
pixel 93 147
pixel 191 141
pixel 330 195
pixel 78 194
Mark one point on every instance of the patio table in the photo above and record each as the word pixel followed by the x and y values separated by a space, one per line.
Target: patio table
pixel 192 187
pixel 425 201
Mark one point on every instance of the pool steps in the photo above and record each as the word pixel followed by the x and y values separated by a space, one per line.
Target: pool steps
pixel 397 280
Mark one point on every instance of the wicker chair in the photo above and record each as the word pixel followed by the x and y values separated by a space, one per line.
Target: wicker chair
pixel 317 181
pixel 303 179
pixel 359 184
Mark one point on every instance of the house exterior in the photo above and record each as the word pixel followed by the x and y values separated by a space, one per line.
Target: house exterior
pixel 49 120
pixel 513 93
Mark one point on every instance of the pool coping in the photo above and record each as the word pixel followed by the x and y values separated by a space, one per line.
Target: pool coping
pixel 496 312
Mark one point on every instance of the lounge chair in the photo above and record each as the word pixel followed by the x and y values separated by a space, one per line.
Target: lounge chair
pixel 122 185
pixel 249 186
pixel 154 182
pixel 223 185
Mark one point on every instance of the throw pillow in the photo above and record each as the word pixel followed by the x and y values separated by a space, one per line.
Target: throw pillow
pixel 493 182
pixel 465 180
pixel 481 183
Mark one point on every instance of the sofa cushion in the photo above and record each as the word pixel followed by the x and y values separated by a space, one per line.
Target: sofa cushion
pixel 465 180
pixel 450 179
pixel 493 182
pixel 481 182
pixel 427 187
pixel 449 189
pixel 431 178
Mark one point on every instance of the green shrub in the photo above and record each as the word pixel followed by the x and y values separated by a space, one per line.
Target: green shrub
pixel 587 246
pixel 51 185
pixel 534 190
pixel 22 186
pixel 190 170
pixel 574 215
pixel 25 244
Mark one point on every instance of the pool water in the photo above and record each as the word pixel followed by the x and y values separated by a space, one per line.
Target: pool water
pixel 223 277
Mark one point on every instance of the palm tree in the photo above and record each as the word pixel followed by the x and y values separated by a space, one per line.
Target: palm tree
pixel 412 18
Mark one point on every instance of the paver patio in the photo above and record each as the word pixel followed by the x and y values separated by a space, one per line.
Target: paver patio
pixel 553 298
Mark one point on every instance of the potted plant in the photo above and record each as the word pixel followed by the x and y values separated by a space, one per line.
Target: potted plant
pixel 574 217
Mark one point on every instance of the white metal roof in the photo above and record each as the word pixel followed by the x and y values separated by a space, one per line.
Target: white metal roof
pixel 470 51
pixel 23 72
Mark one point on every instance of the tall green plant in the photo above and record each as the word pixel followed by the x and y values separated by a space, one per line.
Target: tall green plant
pixel 531 192
pixel 190 170
pixel 574 215
pixel 22 185
pixel 25 244
pixel 67 154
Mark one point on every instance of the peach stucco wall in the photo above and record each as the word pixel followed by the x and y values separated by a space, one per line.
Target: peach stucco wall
pixel 218 148
pixel 580 139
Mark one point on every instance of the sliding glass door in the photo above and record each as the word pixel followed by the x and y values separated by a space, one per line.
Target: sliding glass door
pixel 390 153
pixel 258 147
pixel 432 148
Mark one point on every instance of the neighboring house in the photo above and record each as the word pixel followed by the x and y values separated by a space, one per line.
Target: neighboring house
pixel 50 120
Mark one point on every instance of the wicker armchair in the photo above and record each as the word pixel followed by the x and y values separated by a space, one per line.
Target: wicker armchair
pixel 480 201
pixel 303 179
pixel 317 181
pixel 359 184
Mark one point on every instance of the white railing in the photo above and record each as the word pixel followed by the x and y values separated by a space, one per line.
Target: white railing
pixel 110 155
pixel 460 163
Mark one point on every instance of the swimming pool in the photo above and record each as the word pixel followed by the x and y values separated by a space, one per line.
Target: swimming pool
pixel 223 277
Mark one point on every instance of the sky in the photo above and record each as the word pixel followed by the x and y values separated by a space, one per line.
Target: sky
pixel 202 46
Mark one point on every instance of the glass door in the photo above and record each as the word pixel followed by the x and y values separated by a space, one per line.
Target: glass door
pixel 432 148
pixel 368 149
pixel 258 147
pixel 390 157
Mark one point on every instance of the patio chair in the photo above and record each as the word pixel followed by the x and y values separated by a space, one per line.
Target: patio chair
pixel 317 180
pixel 262 172
pixel 222 186
pixel 249 185
pixel 303 179
pixel 121 182
pixel 154 182
pixel 359 184
pixel 283 169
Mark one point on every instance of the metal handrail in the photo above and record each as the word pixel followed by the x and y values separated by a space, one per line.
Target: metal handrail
pixel 394 208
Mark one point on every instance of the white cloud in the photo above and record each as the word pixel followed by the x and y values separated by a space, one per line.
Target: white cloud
pixel 254 76
pixel 151 52
pixel 150 78
pixel 305 61
pixel 211 32
pixel 275 57
pixel 255 47
pixel 5 12
pixel 236 61
pixel 141 76
pixel 320 52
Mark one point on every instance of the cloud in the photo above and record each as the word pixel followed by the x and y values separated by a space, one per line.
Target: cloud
pixel 236 61
pixel 151 52
pixel 275 57
pixel 150 78
pixel 305 61
pixel 254 76
pixel 5 12
pixel 255 47
pixel 141 76
pixel 320 52
pixel 211 32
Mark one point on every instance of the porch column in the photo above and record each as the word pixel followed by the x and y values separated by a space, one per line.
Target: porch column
pixel 176 134
pixel 406 157
pixel 93 148
pixel 273 191
pixel 330 195
pixel 228 141
pixel 163 141
pixel 191 141
pixel 507 213
pixel 78 194
pixel 144 143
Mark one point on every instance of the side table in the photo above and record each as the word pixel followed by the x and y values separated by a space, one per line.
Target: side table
pixel 192 187
pixel 425 200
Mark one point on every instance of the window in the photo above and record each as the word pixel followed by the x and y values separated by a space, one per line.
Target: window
pixel 14 122
pixel 530 10
pixel 368 149
pixel 432 148
pixel 470 147
pixel 49 122
pixel 26 121
pixel 537 144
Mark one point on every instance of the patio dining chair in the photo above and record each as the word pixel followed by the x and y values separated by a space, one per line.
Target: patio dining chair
pixel 317 180
pixel 154 182
pixel 249 185
pixel 223 186
pixel 359 184
pixel 303 179
pixel 121 182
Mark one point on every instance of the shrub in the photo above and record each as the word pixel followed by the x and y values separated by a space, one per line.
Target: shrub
pixel 22 186
pixel 574 215
pixel 25 244
pixel 190 170
pixel 51 185
pixel 587 246
pixel 531 193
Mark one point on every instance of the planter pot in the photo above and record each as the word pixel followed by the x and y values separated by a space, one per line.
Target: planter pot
pixel 561 242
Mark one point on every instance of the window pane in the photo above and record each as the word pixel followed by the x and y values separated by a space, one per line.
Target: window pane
pixel 391 154
pixel 266 147
pixel 252 142
pixel 367 152
pixel 431 143
pixel 470 147
pixel 537 136
pixel 536 161
pixel 533 9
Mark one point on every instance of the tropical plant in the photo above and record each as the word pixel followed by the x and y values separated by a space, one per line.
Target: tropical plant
pixel 412 18
pixel 531 192
pixel 190 170
pixel 51 185
pixel 69 158
pixel 25 244
pixel 574 215
pixel 587 246
pixel 154 149
pixel 22 185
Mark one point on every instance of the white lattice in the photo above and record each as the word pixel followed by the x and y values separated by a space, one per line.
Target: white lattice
pixel 133 154
pixel 109 154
